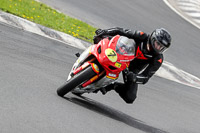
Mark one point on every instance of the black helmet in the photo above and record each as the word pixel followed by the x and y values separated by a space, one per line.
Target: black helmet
pixel 160 40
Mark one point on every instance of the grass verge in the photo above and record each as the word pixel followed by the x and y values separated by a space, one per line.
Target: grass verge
pixel 42 14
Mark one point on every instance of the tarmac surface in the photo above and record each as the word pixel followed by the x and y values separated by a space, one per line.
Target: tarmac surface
pixel 33 67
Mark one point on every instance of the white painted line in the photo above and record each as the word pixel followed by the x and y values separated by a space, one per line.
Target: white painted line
pixel 186 4
pixel 189 1
pixel 170 72
pixel 197 20
pixel 167 3
pixel 193 14
pixel 194 9
pixel 35 28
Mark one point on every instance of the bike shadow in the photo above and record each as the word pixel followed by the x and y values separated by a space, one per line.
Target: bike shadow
pixel 113 113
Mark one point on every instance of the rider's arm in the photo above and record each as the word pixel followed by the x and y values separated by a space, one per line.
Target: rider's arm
pixel 150 70
pixel 136 35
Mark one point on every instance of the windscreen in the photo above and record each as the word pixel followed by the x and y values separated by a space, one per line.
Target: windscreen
pixel 125 46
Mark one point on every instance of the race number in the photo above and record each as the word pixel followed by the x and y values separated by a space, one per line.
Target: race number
pixel 111 54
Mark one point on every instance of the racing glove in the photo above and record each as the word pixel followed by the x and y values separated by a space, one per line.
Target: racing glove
pixel 96 39
pixel 100 32
pixel 141 79
pixel 130 77
pixel 98 36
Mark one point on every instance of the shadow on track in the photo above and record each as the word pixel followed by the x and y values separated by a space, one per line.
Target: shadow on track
pixel 113 113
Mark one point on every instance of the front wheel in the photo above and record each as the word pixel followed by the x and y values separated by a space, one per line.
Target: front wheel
pixel 76 80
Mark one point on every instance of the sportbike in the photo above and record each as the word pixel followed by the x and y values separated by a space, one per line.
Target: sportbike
pixel 99 65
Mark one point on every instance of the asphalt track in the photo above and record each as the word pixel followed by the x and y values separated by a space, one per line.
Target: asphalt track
pixel 32 67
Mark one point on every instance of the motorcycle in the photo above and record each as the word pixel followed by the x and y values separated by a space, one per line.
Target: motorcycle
pixel 99 65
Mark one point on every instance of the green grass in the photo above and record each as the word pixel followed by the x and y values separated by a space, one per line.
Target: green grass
pixel 40 13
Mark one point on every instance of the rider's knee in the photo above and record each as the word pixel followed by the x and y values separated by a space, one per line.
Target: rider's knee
pixel 130 100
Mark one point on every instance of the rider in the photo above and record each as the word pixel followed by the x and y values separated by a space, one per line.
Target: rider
pixel 149 58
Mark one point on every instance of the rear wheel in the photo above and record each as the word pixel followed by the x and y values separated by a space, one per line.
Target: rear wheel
pixel 76 80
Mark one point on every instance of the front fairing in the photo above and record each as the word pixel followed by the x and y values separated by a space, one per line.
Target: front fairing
pixel 80 60
pixel 111 61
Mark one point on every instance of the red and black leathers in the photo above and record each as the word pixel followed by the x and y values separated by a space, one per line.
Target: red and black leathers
pixel 145 60
pixel 143 66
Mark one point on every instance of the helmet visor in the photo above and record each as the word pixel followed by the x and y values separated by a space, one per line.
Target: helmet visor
pixel 159 47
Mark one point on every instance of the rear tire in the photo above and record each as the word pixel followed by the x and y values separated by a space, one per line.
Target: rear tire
pixel 76 80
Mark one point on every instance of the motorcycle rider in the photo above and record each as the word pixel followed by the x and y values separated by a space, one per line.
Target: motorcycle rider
pixel 149 58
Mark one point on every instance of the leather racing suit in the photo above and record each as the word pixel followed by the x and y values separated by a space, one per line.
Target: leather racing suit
pixel 141 68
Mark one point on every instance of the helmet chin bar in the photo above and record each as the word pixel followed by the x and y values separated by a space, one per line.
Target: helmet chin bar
pixel 148 47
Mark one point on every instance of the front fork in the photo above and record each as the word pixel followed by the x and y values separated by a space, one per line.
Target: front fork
pixel 95 69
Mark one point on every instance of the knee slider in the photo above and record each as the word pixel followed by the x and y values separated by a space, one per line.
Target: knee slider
pixel 130 100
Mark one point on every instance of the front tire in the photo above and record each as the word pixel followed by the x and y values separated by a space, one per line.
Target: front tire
pixel 76 80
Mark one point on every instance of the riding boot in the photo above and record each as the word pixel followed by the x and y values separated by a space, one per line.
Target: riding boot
pixel 107 88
